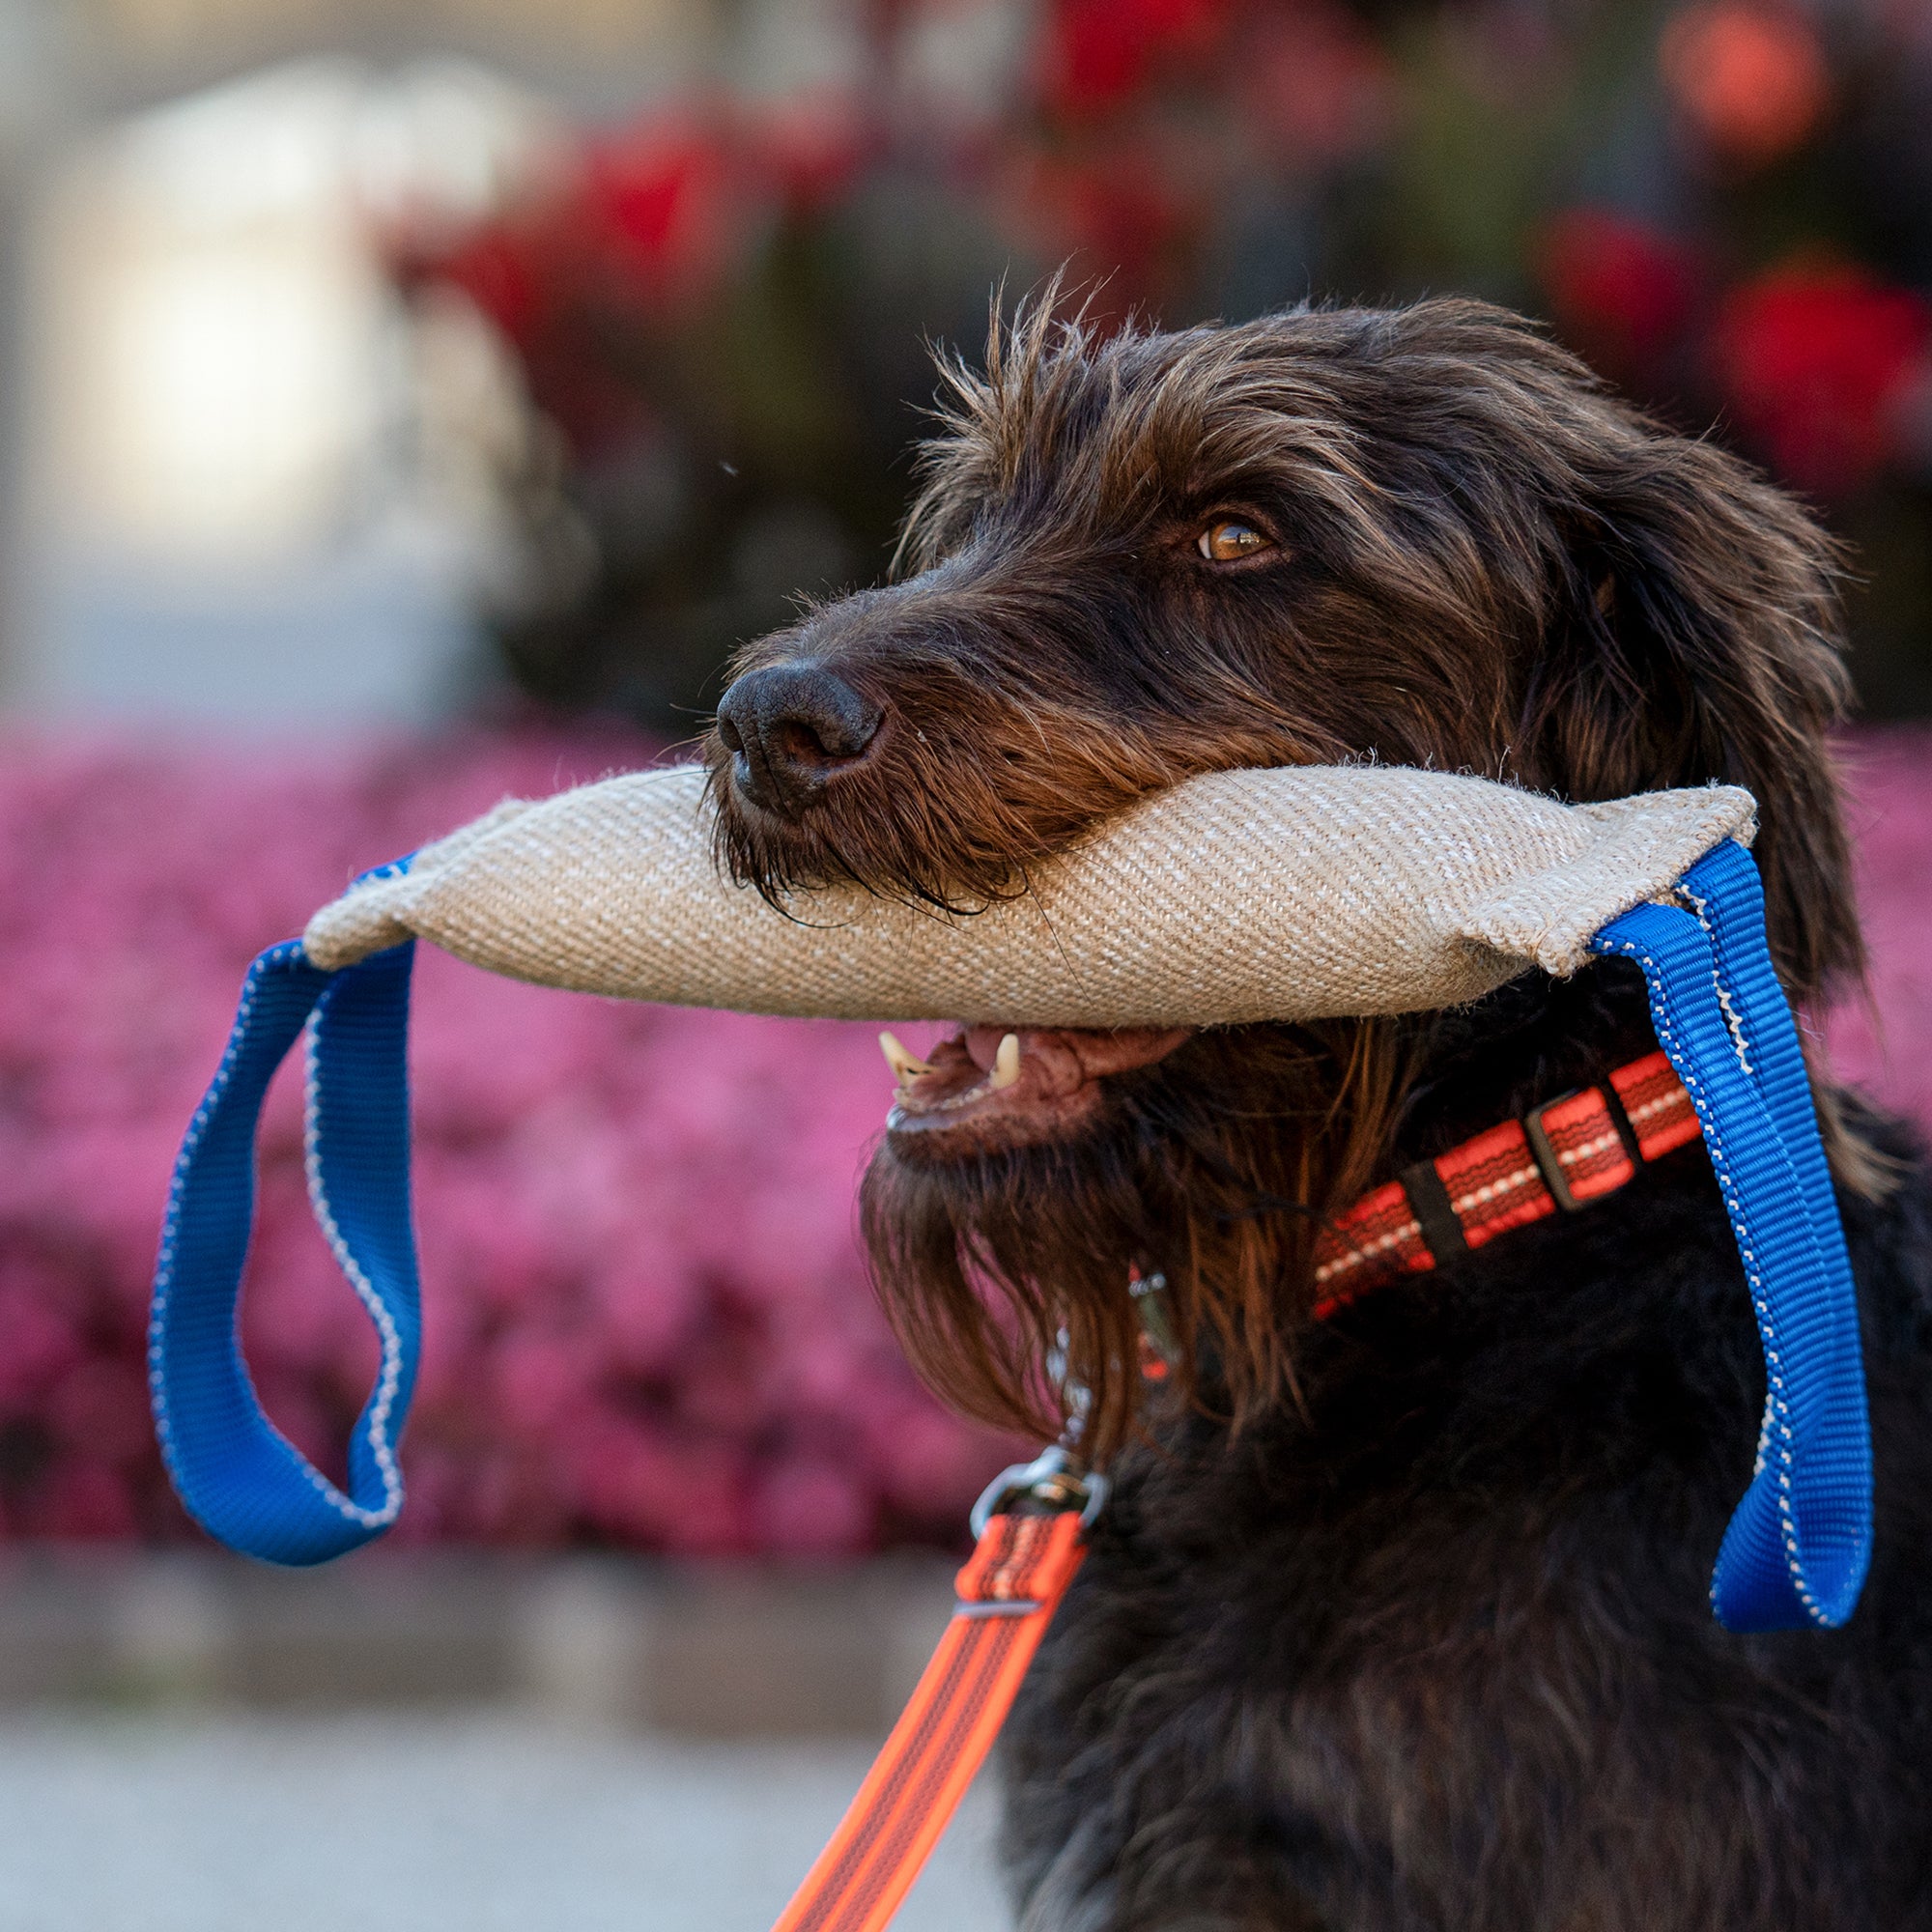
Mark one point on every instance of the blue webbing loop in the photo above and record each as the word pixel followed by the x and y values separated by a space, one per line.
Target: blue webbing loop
pixel 234 1470
pixel 1799 1544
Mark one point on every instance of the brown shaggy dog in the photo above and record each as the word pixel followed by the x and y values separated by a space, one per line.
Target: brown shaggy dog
pixel 1397 1619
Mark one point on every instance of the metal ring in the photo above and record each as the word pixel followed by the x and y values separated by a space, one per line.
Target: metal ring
pixel 1052 1479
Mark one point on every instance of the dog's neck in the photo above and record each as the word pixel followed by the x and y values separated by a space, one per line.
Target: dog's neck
pixel 1527 1043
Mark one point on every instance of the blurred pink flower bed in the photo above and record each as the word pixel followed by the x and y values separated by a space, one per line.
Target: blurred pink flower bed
pixel 647 1322
pixel 646 1317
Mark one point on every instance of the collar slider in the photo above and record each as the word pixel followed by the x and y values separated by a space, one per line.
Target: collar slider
pixel 1548 1162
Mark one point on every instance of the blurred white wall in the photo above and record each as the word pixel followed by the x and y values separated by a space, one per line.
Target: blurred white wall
pixel 237 482
pixel 229 508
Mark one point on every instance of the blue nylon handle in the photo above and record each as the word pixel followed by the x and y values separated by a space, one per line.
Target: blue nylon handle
pixel 1799 1545
pixel 235 1472
pixel 1726 891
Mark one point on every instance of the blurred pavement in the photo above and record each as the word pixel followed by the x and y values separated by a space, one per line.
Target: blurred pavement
pixel 236 1823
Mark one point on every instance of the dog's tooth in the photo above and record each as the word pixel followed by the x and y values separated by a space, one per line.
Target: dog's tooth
pixel 1005 1063
pixel 905 1065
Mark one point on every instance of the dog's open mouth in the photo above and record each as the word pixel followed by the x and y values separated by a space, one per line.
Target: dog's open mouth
pixel 990 1088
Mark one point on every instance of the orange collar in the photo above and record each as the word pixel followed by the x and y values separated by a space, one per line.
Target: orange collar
pixel 1561 1155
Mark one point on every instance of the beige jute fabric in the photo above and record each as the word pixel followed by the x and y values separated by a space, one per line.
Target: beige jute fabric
pixel 1294 894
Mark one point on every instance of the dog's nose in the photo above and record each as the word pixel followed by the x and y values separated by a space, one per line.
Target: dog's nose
pixel 790 729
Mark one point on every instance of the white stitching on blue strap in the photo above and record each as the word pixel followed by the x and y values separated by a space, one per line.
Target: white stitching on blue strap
pixel 197 1127
pixel 1733 1019
pixel 1777 1409
pixel 389 1377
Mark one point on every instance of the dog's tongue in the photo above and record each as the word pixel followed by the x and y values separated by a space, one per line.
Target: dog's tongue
pixel 994 1087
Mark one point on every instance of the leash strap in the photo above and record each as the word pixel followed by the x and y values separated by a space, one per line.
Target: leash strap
pixel 1799 1545
pixel 1006 1596
pixel 237 1475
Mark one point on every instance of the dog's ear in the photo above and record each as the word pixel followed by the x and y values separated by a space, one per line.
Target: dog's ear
pixel 1697 636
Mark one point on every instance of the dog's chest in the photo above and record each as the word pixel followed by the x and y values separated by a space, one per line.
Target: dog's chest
pixel 1439 1650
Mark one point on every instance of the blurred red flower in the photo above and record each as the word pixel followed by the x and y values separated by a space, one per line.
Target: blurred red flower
pixel 1095 54
pixel 1751 79
pixel 1117 215
pixel 1620 289
pixel 810 147
pixel 663 204
pixel 500 268
pixel 642 236
pixel 1318 85
pixel 1815 361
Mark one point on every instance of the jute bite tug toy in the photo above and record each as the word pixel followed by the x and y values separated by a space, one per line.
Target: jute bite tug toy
pixel 1282 895
pixel 1288 895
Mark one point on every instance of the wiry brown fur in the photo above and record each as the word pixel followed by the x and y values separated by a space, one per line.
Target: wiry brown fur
pixel 1423 1642
pixel 1486 563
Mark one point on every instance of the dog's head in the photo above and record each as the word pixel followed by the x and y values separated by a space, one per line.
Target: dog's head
pixel 1425 536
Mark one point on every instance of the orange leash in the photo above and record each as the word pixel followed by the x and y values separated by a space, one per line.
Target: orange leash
pixel 1006 1596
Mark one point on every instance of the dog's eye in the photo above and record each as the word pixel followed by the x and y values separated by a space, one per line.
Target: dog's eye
pixel 1226 541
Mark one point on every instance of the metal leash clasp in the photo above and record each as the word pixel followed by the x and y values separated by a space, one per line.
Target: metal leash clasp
pixel 1058 1479
pixel 1055 1480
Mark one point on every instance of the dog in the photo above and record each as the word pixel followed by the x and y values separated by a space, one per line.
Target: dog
pixel 1397 1616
